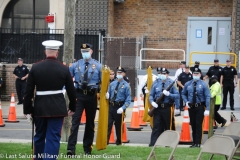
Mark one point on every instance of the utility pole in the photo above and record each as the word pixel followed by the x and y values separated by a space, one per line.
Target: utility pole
pixel 68 54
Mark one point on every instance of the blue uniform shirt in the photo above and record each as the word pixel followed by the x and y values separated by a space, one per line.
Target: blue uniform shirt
pixel 94 66
pixel 156 91
pixel 203 93
pixel 123 94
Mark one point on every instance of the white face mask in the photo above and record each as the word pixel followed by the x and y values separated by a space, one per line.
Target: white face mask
pixel 119 76
pixel 163 77
pixel 86 55
pixel 196 77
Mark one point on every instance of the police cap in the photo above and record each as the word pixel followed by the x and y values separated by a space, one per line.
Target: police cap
pixel 120 69
pixel 20 59
pixel 183 62
pixel 214 77
pixel 86 46
pixel 158 69
pixel 216 60
pixel 228 60
pixel 164 71
pixel 197 62
pixel 187 66
pixel 196 70
pixel 52 44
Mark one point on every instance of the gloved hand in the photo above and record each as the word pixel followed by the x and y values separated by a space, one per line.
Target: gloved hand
pixel 187 105
pixel 146 91
pixel 155 105
pixel 166 93
pixel 206 113
pixel 107 95
pixel 120 110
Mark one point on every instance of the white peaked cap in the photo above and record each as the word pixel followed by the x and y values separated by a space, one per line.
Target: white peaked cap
pixel 52 44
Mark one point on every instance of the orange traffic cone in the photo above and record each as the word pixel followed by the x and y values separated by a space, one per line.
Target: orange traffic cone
pixel 185 136
pixel 83 118
pixel 141 113
pixel 124 134
pixel 12 118
pixel 1 118
pixel 135 118
pixel 205 125
pixel 111 140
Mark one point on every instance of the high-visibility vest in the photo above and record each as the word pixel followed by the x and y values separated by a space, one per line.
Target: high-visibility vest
pixel 216 90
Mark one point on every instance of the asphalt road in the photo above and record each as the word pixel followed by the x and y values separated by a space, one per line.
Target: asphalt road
pixel 22 130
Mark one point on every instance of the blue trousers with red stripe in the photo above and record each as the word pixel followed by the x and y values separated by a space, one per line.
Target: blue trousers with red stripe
pixel 47 137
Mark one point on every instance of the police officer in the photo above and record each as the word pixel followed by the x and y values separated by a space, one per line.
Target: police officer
pixel 112 76
pixel 196 95
pixel 48 77
pixel 125 77
pixel 216 91
pixel 182 79
pixel 192 69
pixel 229 73
pixel 87 75
pixel 20 73
pixel 213 70
pixel 119 95
pixel 162 118
pixel 181 69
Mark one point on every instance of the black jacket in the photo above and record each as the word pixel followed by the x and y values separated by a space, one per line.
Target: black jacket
pixel 49 75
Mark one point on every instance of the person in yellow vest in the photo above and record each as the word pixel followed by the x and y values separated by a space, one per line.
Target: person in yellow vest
pixel 216 90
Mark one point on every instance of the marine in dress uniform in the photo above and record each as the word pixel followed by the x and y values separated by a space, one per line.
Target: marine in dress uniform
pixel 214 70
pixel 87 74
pixel 20 73
pixel 162 118
pixel 182 79
pixel 48 77
pixel 229 73
pixel 119 95
pixel 196 95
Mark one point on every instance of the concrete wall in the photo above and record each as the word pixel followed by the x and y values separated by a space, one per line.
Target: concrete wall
pixel 58 7
pixel 3 4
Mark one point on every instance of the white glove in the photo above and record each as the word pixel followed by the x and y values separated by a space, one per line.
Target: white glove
pixel 166 93
pixel 146 91
pixel 176 111
pixel 187 105
pixel 29 118
pixel 120 110
pixel 155 105
pixel 206 113
pixel 107 95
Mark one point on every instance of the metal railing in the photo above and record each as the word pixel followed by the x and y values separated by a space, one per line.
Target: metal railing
pixel 157 60
pixel 234 64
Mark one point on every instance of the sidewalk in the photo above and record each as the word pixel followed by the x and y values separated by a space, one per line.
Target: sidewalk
pixel 178 120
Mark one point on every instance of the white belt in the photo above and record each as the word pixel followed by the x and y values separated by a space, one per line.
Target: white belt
pixel 40 93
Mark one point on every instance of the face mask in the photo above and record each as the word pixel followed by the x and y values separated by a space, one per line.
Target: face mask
pixel 196 77
pixel 159 76
pixel 163 77
pixel 86 55
pixel 119 76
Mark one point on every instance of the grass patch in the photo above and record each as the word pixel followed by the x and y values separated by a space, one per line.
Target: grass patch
pixel 19 150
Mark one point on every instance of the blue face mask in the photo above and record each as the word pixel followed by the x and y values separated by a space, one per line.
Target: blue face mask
pixel 163 77
pixel 196 77
pixel 86 55
pixel 119 76
pixel 159 76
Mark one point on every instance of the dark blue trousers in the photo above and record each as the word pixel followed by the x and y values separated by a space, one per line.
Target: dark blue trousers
pixel 47 137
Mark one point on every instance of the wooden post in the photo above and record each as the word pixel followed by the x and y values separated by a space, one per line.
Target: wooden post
pixel 211 117
pixel 68 54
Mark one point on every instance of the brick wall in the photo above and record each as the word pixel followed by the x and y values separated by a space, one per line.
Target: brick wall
pixel 6 72
pixel 164 22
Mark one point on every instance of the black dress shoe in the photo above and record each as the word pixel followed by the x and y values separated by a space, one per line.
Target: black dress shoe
pixel 87 152
pixel 177 115
pixel 150 145
pixel 215 127
pixel 224 122
pixel 192 146
pixel 181 109
pixel 195 146
pixel 70 153
pixel 232 108
pixel 223 108
pixel 19 103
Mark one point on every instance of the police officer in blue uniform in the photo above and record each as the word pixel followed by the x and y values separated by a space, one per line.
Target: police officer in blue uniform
pixel 87 74
pixel 196 95
pixel 48 77
pixel 163 114
pixel 20 73
pixel 119 95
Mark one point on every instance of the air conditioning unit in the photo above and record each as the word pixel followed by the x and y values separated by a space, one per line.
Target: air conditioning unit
pixel 119 1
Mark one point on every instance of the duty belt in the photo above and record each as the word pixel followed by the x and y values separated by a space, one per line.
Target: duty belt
pixel 164 105
pixel 41 93
pixel 117 104
pixel 87 91
pixel 195 104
